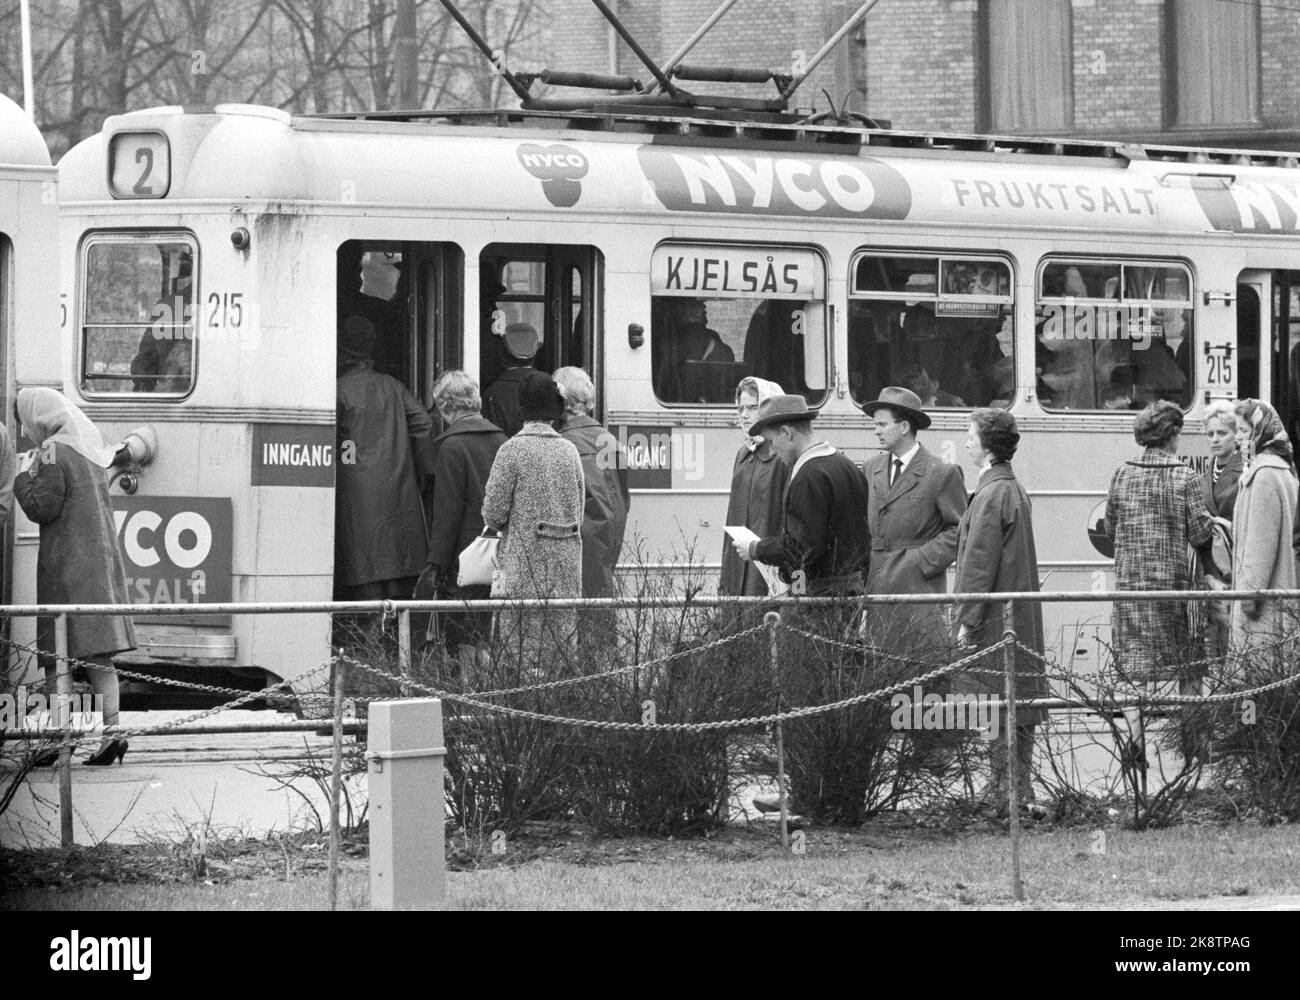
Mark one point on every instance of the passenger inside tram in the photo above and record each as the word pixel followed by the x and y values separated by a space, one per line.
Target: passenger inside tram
pixel 164 358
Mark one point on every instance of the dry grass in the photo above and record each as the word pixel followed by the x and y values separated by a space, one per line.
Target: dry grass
pixel 883 868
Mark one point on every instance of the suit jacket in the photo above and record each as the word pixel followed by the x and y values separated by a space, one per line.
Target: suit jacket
pixel 913 524
pixel 1221 497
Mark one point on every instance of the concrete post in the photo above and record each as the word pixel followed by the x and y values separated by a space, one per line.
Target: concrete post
pixel 63 699
pixel 408 867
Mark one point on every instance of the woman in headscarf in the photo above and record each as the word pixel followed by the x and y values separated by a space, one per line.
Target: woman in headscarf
pixel 758 482
pixel 1264 518
pixel 65 491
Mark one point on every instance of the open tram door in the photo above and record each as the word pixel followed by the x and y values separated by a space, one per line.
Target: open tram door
pixel 554 289
pixel 1268 342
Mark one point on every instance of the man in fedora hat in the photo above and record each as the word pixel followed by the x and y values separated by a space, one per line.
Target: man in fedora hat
pixel 501 401
pixel 914 505
pixel 823 546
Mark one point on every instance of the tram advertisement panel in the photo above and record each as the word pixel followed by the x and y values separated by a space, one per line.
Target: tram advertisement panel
pixel 177 550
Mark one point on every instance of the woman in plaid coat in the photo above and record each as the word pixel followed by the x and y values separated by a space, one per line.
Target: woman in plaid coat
pixel 1154 511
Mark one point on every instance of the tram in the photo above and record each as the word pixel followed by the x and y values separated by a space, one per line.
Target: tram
pixel 29 344
pixel 207 260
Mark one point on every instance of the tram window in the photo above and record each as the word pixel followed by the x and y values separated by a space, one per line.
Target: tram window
pixel 1113 335
pixel 719 314
pixel 138 326
pixel 940 326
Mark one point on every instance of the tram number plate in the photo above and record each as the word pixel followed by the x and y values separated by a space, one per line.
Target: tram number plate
pixel 1219 370
pixel 176 550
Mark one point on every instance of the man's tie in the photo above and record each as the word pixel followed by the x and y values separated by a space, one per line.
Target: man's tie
pixel 895 471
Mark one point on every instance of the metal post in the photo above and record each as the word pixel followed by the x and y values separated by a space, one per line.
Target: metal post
pixel 408 815
pixel 772 619
pixel 336 780
pixel 404 649
pixel 1013 765
pixel 63 692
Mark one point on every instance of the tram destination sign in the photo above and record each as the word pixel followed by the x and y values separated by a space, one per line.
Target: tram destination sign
pixel 176 550
pixel 293 455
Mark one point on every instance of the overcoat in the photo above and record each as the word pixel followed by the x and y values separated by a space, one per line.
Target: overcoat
pixel 606 505
pixel 913 526
pixel 378 522
pixel 758 482
pixel 534 496
pixel 1221 497
pixel 465 450
pixel 996 554
pixel 79 560
pixel 1154 510
pixel 1261 554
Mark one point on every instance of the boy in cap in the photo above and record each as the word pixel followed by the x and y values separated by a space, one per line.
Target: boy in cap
pixel 501 401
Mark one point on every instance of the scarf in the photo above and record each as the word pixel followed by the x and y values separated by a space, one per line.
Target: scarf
pixel 1267 434
pixel 49 416
pixel 765 390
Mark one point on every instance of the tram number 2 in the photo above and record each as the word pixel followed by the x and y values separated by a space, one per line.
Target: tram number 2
pixel 1219 371
pixel 227 309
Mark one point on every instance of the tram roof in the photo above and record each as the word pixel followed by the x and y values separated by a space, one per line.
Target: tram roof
pixel 639 163
pixel 20 140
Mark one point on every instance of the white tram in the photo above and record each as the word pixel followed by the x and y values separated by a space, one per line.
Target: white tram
pixel 207 259
pixel 29 278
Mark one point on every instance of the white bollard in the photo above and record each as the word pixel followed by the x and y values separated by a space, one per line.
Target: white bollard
pixel 408 867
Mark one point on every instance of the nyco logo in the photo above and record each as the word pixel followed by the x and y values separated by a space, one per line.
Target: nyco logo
pixel 558 167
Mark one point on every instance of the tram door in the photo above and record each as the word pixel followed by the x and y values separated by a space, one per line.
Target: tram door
pixel 1268 342
pixel 554 289
pixel 6 533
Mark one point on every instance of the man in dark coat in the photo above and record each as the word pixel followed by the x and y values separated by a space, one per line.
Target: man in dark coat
pixel 823 547
pixel 501 401
pixel 379 537
pixel 915 503
pixel 465 452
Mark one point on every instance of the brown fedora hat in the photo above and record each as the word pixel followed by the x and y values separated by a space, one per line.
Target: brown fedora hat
pixel 902 401
pixel 780 410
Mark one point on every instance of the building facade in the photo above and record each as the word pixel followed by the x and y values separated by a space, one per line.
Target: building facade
pixel 1189 72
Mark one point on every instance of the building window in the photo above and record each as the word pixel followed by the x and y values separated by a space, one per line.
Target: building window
pixel 1027 75
pixel 1213 74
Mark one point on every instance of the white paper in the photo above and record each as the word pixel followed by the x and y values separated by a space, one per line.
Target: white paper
pixel 775 585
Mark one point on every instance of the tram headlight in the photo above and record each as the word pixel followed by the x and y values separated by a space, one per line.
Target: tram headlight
pixel 141 445
pixel 240 239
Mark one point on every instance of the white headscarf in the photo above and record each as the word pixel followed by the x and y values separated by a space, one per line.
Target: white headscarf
pixel 763 389
pixel 50 416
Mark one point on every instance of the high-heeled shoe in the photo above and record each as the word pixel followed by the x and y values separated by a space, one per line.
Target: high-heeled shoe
pixel 108 752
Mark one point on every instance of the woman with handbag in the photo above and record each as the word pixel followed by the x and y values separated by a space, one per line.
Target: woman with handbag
pixel 534 497
pixel 466 450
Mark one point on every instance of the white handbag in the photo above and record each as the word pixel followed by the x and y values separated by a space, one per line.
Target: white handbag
pixel 478 562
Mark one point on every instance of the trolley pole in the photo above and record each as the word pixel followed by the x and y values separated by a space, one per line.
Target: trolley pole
pixel 63 701
pixel 772 619
pixel 1013 765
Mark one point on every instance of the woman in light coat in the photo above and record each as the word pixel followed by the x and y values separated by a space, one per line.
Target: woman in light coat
pixel 65 491
pixel 534 496
pixel 1263 522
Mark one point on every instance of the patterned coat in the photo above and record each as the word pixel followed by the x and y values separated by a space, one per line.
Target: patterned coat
pixel 1261 553
pixel 1155 509
pixel 913 526
pixel 996 554
pixel 758 483
pixel 534 495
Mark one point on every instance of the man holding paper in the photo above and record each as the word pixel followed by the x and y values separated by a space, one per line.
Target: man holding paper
pixel 823 547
